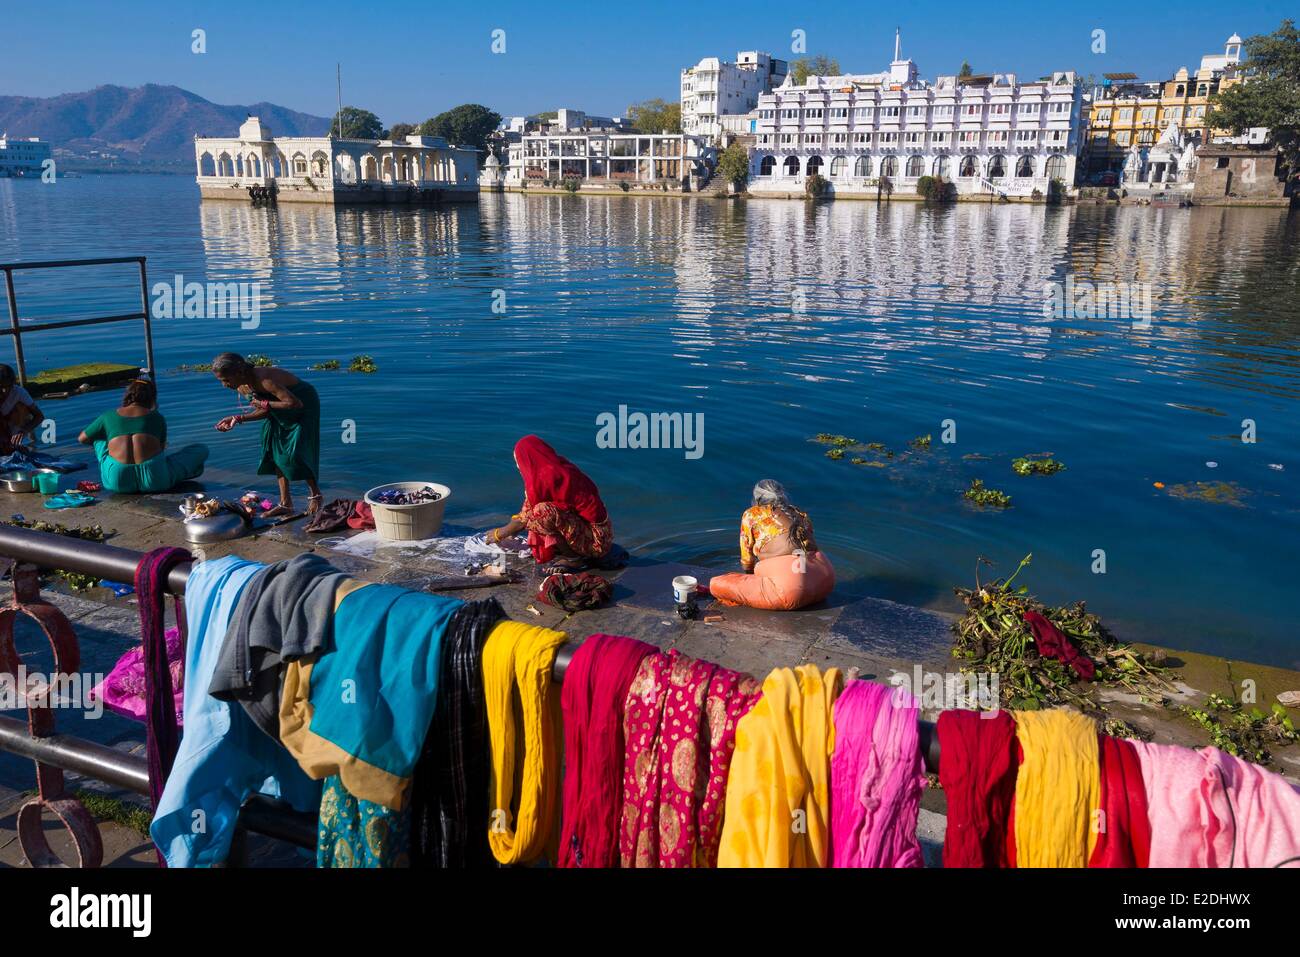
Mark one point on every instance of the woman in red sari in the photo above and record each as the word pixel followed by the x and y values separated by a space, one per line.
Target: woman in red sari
pixel 562 510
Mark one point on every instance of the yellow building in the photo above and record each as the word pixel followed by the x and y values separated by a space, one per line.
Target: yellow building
pixel 1126 111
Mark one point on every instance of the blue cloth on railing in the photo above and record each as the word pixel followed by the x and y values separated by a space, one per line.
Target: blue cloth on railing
pixel 28 459
pixel 224 757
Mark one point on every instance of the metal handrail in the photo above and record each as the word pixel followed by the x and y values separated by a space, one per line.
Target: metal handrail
pixel 111 562
pixel 16 330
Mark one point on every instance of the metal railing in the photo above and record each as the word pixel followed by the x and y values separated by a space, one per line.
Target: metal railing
pixel 259 814
pixel 17 330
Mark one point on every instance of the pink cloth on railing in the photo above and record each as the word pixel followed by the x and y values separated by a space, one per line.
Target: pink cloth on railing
pixel 1209 809
pixel 122 691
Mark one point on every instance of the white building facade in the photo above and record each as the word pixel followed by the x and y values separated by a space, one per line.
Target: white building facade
pixel 327 169
pixel 715 88
pixel 608 159
pixel 878 134
pixel 22 157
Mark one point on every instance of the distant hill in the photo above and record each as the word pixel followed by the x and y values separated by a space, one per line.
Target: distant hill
pixel 151 124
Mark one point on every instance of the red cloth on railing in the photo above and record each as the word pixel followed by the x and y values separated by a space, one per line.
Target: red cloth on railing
pixel 1124 829
pixel 977 770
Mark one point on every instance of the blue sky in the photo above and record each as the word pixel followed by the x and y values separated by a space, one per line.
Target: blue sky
pixel 407 60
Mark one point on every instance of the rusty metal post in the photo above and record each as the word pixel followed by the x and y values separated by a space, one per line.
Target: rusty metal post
pixel 51 795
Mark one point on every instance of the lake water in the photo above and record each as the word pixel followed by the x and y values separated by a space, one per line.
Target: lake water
pixel 775 320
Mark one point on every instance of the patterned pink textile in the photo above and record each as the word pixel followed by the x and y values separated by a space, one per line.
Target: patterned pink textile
pixel 674 782
pixel 122 691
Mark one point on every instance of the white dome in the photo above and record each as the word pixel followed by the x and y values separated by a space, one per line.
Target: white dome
pixel 1234 39
pixel 492 161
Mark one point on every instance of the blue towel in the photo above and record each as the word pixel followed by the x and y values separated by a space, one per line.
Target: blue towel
pixel 375 693
pixel 224 757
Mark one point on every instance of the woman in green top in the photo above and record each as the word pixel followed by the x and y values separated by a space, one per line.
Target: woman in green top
pixel 290 412
pixel 129 442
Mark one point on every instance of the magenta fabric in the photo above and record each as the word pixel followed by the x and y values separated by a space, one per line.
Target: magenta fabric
pixel 1209 809
pixel 122 691
pixel 876 778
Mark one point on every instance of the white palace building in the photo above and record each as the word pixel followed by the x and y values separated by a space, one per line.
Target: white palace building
pixel 327 169
pixel 868 134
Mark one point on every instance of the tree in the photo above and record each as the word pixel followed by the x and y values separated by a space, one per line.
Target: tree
pixel 818 65
pixel 353 123
pixel 466 125
pixel 965 70
pixel 656 116
pixel 815 186
pixel 733 165
pixel 400 131
pixel 1270 95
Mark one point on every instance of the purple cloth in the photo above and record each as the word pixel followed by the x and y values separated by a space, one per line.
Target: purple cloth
pixel 162 733
pixel 123 691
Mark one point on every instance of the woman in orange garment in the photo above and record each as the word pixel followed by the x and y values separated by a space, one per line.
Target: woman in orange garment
pixel 784 568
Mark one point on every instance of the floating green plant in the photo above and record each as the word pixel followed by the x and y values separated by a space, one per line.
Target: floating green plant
pixel 990 497
pixel 877 447
pixel 329 365
pixel 921 442
pixel 363 364
pixel 1217 493
pixel 260 360
pixel 194 367
pixel 1028 466
pixel 840 441
pixel 993 636
pixel 836 454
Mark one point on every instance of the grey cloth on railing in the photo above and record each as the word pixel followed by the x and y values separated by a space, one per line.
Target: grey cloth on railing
pixel 284 613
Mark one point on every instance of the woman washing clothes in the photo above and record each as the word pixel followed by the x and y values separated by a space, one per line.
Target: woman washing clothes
pixel 289 411
pixel 784 568
pixel 562 511
pixel 130 443
pixel 19 415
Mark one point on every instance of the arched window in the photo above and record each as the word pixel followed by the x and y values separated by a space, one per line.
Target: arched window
pixel 967 167
pixel 997 166
pixel 1024 167
pixel 299 165
pixel 207 165
pixel 224 166
pixel 941 167
pixel 239 164
pixel 254 165
pixel 837 166
pixel 814 165
pixel 320 164
pixel 368 168
pixel 1181 90
pixel 1056 167
pixel 863 166
pixel 915 166
pixel 889 166
pixel 767 166
pixel 791 166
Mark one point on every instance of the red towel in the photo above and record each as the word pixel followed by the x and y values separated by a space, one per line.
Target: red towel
pixel 977 770
pixel 1054 643
pixel 1124 830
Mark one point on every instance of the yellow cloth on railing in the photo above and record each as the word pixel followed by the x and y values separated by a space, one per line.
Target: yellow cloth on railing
pixel 1058 788
pixel 517 688
pixel 778 795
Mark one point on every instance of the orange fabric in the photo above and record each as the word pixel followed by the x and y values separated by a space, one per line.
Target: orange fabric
pixel 778 584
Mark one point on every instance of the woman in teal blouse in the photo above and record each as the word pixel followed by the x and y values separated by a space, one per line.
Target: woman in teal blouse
pixel 130 441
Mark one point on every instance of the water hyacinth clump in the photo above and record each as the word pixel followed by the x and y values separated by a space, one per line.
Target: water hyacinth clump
pixel 1028 466
pixel 986 497
pixel 329 365
pixel 363 364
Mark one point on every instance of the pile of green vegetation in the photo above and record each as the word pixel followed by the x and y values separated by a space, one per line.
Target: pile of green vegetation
pixel 329 365
pixel 260 360
pixel 986 497
pixel 921 442
pixel 993 636
pixel 91 533
pixel 1243 733
pixel 836 454
pixel 363 364
pixel 1028 466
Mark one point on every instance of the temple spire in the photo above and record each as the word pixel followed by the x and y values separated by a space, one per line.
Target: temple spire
pixel 898 41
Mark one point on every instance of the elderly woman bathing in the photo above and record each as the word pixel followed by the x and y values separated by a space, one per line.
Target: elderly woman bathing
pixel 784 568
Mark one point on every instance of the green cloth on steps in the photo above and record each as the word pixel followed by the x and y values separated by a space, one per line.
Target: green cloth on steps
pixel 291 438
pixel 158 474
